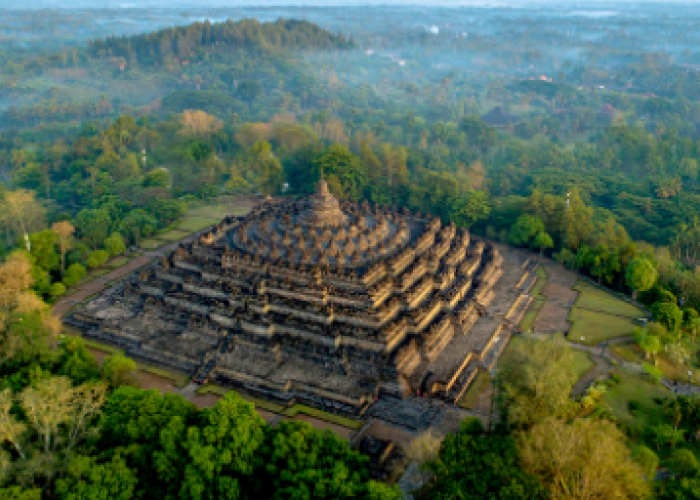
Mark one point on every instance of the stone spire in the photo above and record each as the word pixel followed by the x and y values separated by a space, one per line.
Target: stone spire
pixel 323 209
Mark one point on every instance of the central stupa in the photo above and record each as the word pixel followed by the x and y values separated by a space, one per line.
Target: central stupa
pixel 324 209
pixel 331 303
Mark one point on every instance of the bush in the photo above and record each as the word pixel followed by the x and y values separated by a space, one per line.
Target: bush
pixel 74 274
pixel 97 258
pixel 57 289
pixel 115 245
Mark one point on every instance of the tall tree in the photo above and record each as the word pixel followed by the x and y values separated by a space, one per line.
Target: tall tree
pixel 64 231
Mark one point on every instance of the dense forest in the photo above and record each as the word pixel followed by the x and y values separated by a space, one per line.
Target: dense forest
pixel 588 158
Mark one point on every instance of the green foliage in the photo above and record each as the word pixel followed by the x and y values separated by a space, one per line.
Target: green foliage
pixel 158 177
pixel 668 314
pixel 43 250
pixel 87 479
pixel 301 461
pixel 339 162
pixel 470 208
pixel 472 465
pixel 525 229
pixel 57 289
pixel 76 361
pixel 97 258
pixel 19 493
pixel 114 245
pixel 74 274
pixel 640 274
pixel 683 461
pixel 119 370
pixel 647 459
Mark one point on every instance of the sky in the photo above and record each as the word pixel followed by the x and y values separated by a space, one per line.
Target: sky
pixel 67 4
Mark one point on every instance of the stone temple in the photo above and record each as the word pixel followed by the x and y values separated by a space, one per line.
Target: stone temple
pixel 328 303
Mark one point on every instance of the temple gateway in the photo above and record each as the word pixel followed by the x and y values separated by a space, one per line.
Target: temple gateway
pixel 332 304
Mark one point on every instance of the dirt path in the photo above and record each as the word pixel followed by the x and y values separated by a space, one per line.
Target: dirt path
pixel 602 366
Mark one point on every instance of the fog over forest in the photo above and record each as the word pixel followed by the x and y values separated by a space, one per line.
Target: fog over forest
pixel 349 217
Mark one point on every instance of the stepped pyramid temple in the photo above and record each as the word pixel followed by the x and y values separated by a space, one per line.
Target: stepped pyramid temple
pixel 334 304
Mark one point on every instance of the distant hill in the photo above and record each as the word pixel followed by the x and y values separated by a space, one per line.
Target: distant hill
pixel 184 41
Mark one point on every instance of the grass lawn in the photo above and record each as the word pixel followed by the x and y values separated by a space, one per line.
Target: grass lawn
pixel 118 262
pixel 596 299
pixel 596 326
pixel 217 212
pixel 634 354
pixel 634 387
pixel 469 399
pixel 322 415
pixel 151 244
pixel 193 224
pixel 531 315
pixel 177 379
pixel 173 235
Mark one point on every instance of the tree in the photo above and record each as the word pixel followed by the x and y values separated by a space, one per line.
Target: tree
pixel 223 452
pixel 25 321
pixel 525 230
pixel 469 208
pixel 115 245
pixel 57 289
pixel 667 435
pixel 640 275
pixel 97 258
pixel 64 232
pixel 93 225
pixel 668 315
pixel 683 461
pixel 586 458
pixel 543 241
pixel 537 381
pixel 43 249
pixel 159 177
pixel 267 168
pixel 20 213
pixel 198 123
pixel 119 370
pixel 300 461
pixel 11 429
pixel 74 274
pixel 249 90
pixel 647 460
pixel 87 479
pixel 339 161
pixel 20 493
pixel 472 465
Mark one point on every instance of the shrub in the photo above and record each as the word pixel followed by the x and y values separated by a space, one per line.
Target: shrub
pixel 57 289
pixel 97 258
pixel 74 274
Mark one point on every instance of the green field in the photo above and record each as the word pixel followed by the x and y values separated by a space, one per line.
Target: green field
pixel 598 315
pixel 633 387
pixel 593 298
pixel 194 220
pixel 596 327
pixel 118 262
pixel 531 315
pixel 469 399
pixel 322 415
pixel 172 235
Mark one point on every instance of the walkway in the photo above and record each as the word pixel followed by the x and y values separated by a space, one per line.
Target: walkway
pixel 85 290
